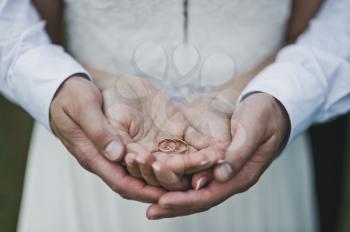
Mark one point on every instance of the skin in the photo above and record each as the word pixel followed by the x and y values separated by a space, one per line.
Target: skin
pixel 209 115
pixel 142 115
pixel 246 159
pixel 87 133
pixel 249 154
pixel 126 111
pixel 205 144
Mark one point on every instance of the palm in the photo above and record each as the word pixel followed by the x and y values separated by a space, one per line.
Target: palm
pixel 209 133
pixel 143 116
pixel 138 110
pixel 209 115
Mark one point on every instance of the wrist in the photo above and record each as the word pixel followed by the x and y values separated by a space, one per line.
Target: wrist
pixel 279 122
pixel 285 123
pixel 75 77
pixel 72 87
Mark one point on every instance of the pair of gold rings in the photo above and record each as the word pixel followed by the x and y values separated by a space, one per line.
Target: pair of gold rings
pixel 172 145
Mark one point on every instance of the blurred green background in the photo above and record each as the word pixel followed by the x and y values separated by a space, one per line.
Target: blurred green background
pixel 15 131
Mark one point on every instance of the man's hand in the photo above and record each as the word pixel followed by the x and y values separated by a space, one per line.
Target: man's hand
pixel 259 127
pixel 78 120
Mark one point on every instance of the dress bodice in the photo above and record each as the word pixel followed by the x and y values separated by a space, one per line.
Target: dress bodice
pixel 146 38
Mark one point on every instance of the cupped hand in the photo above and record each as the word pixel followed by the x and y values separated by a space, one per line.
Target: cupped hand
pixel 206 130
pixel 143 115
pixel 209 132
pixel 78 120
pixel 259 126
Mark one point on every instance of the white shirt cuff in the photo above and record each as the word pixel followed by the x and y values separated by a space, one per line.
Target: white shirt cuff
pixel 36 76
pixel 291 84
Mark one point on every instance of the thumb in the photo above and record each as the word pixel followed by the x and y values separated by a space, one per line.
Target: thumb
pixel 243 145
pixel 90 117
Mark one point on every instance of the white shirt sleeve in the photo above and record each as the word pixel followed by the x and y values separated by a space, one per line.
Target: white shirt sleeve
pixel 31 67
pixel 311 78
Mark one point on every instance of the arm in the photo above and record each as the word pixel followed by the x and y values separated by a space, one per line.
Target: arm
pixel 259 125
pixel 301 14
pixel 311 77
pixel 52 12
pixel 48 83
pixel 25 49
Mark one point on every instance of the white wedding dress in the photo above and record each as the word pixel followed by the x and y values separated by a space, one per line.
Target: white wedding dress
pixel 145 38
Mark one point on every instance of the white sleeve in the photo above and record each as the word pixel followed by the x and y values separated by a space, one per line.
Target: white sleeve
pixel 31 67
pixel 311 78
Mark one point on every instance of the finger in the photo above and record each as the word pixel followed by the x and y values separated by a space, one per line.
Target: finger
pixel 136 149
pixel 216 192
pixel 203 198
pixel 201 179
pixel 244 143
pixel 145 161
pixel 87 113
pixel 168 179
pixel 155 212
pixel 196 161
pixel 126 185
pixel 111 173
pixel 132 166
pixel 175 125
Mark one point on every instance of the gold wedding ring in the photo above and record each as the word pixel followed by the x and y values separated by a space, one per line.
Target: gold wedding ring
pixel 172 145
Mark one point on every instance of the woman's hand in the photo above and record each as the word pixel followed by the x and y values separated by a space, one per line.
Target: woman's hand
pixel 208 133
pixel 143 116
pixel 209 118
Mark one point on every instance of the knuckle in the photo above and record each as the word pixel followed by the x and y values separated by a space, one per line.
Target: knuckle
pixel 85 158
pixel 87 167
pixel 253 179
pixel 126 197
pixel 85 162
pixel 115 187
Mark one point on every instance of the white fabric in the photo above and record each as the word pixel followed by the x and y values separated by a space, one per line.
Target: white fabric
pixel 144 38
pixel 60 196
pixel 312 77
pixel 31 68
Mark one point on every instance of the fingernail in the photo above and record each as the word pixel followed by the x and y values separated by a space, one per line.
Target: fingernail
pixel 129 162
pixel 113 150
pixel 220 161
pixel 204 163
pixel 156 167
pixel 224 171
pixel 201 182
pixel 141 161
